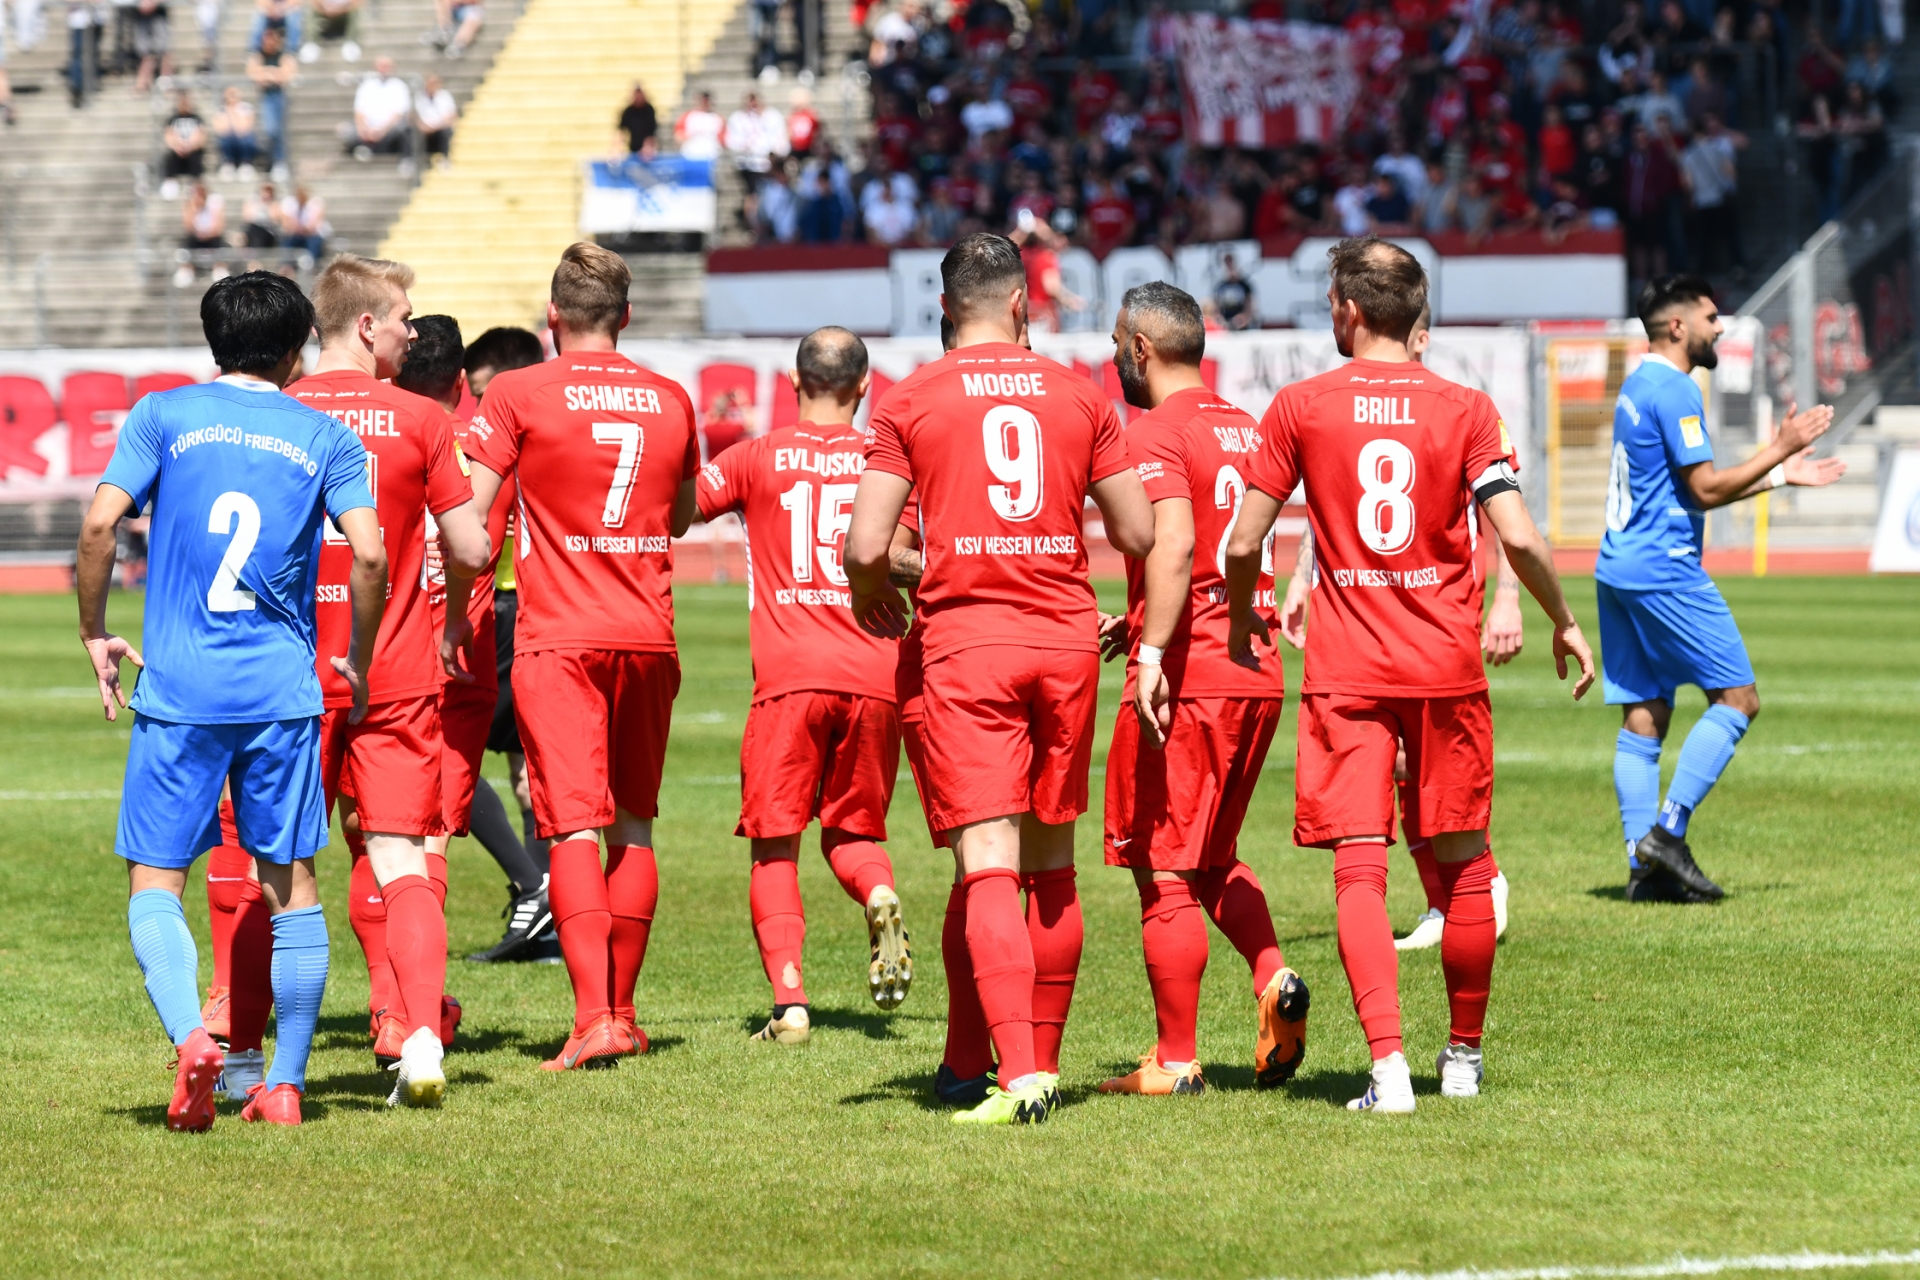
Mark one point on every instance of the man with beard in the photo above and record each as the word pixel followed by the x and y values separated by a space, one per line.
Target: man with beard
pixel 1662 621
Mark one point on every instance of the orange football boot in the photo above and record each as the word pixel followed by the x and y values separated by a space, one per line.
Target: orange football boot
pixel 602 1044
pixel 278 1105
pixel 216 1015
pixel 1155 1080
pixel 1282 1042
pixel 450 1016
pixel 387 1040
pixel 198 1064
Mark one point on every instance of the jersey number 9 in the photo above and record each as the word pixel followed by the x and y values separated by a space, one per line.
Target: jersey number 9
pixel 1012 439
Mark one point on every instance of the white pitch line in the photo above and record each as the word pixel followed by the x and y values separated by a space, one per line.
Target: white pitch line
pixel 1677 1266
pixel 59 795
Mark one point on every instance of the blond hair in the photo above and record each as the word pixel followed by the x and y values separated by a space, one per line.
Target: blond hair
pixel 351 287
pixel 590 288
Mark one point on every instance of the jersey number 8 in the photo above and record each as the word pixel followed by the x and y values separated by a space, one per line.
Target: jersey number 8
pixel 1012 439
pixel 1386 512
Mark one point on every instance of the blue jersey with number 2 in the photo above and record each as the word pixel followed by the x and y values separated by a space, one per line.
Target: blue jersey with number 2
pixel 240 476
pixel 1654 526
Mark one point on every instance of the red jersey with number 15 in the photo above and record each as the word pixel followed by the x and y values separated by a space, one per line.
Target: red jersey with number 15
pixel 599 447
pixel 1001 445
pixel 1389 453
pixel 794 489
pixel 413 469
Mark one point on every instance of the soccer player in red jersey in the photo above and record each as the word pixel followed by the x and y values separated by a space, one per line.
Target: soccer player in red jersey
pixel 823 733
pixel 1003 447
pixel 384 769
pixel 1194 726
pixel 605 454
pixel 1393 458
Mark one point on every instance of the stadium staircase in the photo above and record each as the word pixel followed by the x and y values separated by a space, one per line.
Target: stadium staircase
pixel 79 208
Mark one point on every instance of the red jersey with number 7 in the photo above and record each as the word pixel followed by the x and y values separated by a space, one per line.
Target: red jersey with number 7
pixel 414 470
pixel 1389 454
pixel 794 489
pixel 1001 445
pixel 599 448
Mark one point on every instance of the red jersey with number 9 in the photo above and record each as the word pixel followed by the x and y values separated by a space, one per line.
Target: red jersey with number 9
pixel 794 489
pixel 1001 445
pixel 599 448
pixel 1388 453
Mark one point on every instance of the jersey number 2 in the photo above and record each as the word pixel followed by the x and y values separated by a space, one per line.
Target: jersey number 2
pixel 836 515
pixel 236 514
pixel 1229 490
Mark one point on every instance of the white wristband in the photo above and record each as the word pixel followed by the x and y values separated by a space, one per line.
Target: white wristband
pixel 1777 478
pixel 1150 656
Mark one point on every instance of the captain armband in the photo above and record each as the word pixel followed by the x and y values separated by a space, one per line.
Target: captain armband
pixel 1495 480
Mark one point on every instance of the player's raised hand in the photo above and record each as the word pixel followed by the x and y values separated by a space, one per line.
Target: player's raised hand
pixel 1810 472
pixel 1293 610
pixel 457 638
pixel 1152 702
pixel 1503 635
pixel 1798 430
pixel 1114 641
pixel 106 652
pixel 1240 635
pixel 882 613
pixel 357 681
pixel 1569 643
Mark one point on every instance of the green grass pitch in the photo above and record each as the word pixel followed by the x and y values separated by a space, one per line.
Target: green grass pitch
pixel 1717 1081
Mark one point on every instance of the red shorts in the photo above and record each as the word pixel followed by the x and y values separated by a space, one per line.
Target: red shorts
pixel 831 756
pixel 466 716
pixel 1179 808
pixel 1343 779
pixel 1008 730
pixel 388 764
pixel 594 722
pixel 913 741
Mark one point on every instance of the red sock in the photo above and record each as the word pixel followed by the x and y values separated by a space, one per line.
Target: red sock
pixel 969 1052
pixel 1173 935
pixel 779 926
pixel 1429 869
pixel 367 913
pixel 1366 941
pixel 1466 948
pixel 1057 933
pixel 633 891
pixel 252 968
pixel 861 866
pixel 1232 896
pixel 1003 969
pixel 227 868
pixel 417 948
pixel 437 877
pixel 577 891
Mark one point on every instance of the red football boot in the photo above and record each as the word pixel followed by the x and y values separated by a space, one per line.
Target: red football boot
pixel 387 1041
pixel 216 1015
pixel 278 1105
pixel 450 1016
pixel 602 1044
pixel 627 1033
pixel 198 1067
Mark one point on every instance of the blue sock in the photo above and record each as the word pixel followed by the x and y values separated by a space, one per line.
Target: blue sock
pixel 299 980
pixel 161 943
pixel 1704 756
pixel 1636 783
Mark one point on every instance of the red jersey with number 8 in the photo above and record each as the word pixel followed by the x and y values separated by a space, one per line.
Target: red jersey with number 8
pixel 599 447
pixel 1001 445
pixel 794 489
pixel 1389 453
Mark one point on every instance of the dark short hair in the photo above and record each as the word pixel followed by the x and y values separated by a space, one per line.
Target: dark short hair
pixel 979 269
pixel 1663 293
pixel 947 332
pixel 433 361
pixel 252 320
pixel 1385 281
pixel 504 348
pixel 1169 316
pixel 831 361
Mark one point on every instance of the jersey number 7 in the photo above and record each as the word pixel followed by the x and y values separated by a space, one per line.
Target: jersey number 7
pixel 628 436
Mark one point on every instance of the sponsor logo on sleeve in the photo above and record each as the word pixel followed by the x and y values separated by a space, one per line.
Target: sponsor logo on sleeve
pixel 1690 432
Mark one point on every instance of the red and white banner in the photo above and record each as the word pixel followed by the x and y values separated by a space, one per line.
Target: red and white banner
pixel 1267 84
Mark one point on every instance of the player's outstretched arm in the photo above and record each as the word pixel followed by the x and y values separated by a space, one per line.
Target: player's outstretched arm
pixel 1169 574
pixel 877 505
pixel 1532 563
pixel 1293 609
pixel 1258 511
pixel 93 576
pixel 367 586
pixel 1502 636
pixel 1128 515
pixel 1789 451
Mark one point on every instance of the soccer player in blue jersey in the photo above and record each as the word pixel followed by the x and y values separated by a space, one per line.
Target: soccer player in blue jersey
pixel 240 478
pixel 1662 621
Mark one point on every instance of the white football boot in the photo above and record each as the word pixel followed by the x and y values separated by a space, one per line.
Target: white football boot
pixel 1461 1070
pixel 1391 1092
pixel 1426 932
pixel 421 1083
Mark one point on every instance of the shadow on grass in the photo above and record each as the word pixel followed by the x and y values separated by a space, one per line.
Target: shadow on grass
pixel 227 1113
pixel 1618 893
pixel 544 1050
pixel 871 1023
pixel 916 1088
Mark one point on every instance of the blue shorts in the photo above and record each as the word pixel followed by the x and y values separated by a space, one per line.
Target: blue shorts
pixel 1652 642
pixel 170 806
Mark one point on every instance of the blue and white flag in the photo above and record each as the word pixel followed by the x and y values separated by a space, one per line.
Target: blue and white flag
pixel 668 193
